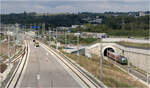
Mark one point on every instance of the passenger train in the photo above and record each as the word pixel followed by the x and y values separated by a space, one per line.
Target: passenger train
pixel 118 58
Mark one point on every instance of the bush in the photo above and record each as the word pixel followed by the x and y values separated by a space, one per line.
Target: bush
pixel 3 67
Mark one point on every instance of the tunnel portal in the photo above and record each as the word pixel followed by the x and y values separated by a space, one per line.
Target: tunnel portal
pixel 108 49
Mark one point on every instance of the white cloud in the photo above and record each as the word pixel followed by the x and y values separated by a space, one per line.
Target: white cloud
pixel 73 6
pixel 85 0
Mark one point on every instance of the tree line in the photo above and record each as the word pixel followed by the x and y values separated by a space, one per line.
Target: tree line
pixel 109 22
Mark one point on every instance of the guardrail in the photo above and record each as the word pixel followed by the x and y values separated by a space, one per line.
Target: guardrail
pixel 79 71
pixel 90 76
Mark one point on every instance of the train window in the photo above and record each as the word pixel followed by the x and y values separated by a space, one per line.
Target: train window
pixel 123 58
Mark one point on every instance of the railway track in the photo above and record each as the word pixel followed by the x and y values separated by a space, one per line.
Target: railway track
pixel 18 71
pixel 88 80
pixel 21 54
pixel 131 71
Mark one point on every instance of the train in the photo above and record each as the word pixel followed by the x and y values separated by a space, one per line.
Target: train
pixel 118 58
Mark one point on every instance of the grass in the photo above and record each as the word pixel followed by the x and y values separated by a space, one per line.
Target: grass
pixel 139 70
pixel 4 49
pixel 88 41
pixel 112 76
pixel 4 56
pixel 2 37
pixel 140 45
pixel 71 39
pixel 2 67
pixel 19 49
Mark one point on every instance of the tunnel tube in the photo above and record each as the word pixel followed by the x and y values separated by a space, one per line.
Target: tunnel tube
pixel 110 48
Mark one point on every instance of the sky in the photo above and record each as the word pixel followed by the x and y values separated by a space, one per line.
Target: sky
pixel 72 6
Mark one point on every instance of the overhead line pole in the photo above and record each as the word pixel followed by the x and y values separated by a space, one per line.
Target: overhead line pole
pixel 65 38
pixel 56 39
pixel 8 45
pixel 101 63
pixel 14 37
pixel 78 53
pixel 17 38
pixel 49 32
pixel 78 44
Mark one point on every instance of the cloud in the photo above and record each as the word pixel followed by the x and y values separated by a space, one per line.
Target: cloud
pixel 73 6
pixel 83 0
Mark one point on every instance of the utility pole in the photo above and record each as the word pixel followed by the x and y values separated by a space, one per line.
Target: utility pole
pixel 65 38
pixel 17 38
pixel 38 31
pixel 101 62
pixel 78 53
pixel 147 78
pixel 43 29
pixel 78 44
pixel 128 62
pixel 8 44
pixel 56 40
pixel 14 37
pixel 148 69
pixel 49 32
pixel 123 23
pixel 68 34
pixel 24 28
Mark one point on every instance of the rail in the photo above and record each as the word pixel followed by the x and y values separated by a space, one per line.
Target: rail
pixel 14 75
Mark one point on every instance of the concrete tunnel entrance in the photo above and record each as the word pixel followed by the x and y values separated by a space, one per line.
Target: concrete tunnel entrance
pixel 108 49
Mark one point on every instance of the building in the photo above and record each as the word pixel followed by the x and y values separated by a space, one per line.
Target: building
pixel 74 26
pixel 96 21
pixel 77 34
pixel 75 49
pixel 93 35
pixel 1 33
pixel 144 13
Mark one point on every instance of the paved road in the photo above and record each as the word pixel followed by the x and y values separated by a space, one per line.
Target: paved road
pixel 44 71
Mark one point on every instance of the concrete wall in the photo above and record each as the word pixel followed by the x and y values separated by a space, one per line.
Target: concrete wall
pixel 126 40
pixel 138 57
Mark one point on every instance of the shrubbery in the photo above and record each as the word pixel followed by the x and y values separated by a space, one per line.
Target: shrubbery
pixel 113 32
pixel 3 67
